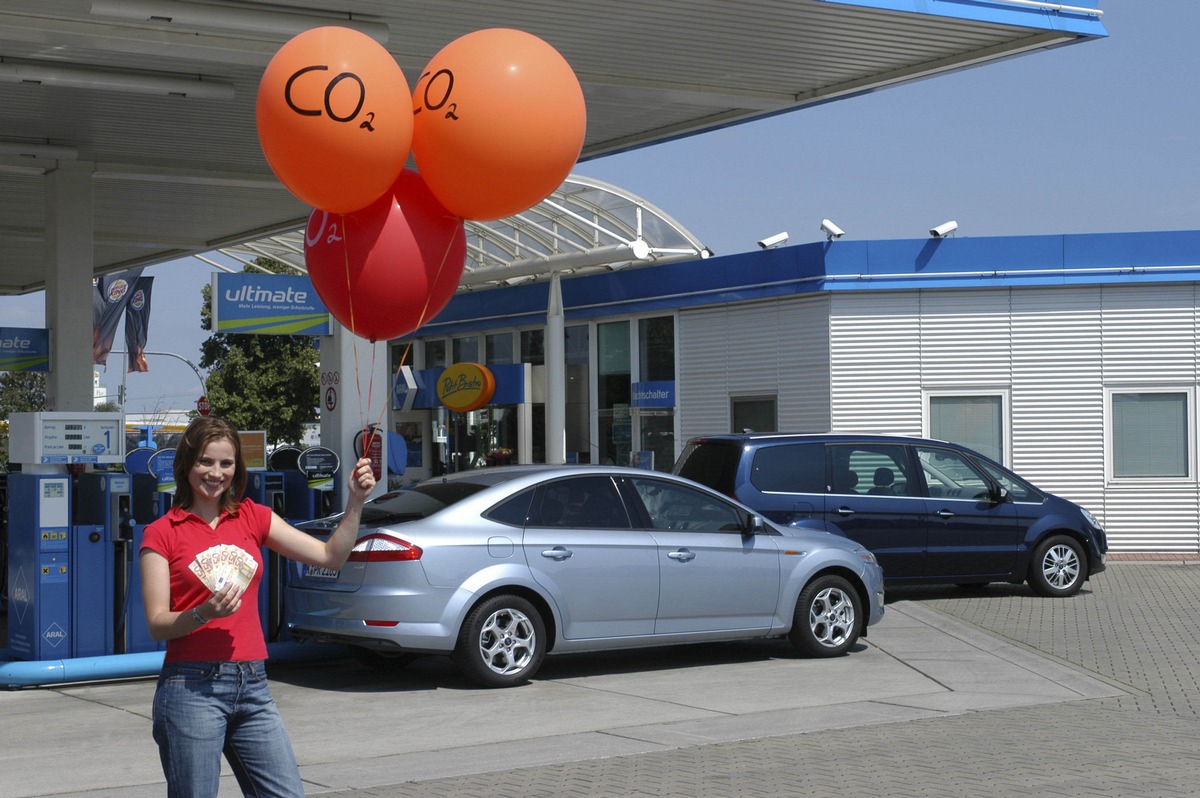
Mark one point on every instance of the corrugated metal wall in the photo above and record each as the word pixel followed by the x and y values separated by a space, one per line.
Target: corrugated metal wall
pixel 1053 351
pixel 779 347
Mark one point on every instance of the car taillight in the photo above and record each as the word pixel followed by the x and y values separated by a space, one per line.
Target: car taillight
pixel 383 548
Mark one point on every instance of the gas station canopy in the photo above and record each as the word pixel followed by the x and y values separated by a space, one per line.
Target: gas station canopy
pixel 155 99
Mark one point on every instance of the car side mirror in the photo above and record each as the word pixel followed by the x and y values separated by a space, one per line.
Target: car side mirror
pixel 754 526
pixel 1001 495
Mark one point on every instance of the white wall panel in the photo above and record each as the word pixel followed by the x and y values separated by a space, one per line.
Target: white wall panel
pixel 770 348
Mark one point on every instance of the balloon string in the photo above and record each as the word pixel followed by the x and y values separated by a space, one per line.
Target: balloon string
pixel 362 412
pixel 424 310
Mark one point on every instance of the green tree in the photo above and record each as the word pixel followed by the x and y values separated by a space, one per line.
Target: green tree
pixel 20 392
pixel 267 382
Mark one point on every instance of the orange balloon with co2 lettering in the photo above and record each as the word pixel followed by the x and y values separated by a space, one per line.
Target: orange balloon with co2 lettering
pixel 499 121
pixel 334 115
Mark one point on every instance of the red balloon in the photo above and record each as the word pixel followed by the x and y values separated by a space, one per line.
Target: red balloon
pixel 387 269
pixel 334 117
pixel 499 121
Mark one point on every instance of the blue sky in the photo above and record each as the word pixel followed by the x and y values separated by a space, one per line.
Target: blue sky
pixel 1095 137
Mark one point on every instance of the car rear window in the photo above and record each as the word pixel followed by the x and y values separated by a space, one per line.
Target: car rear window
pixel 418 502
pixel 711 463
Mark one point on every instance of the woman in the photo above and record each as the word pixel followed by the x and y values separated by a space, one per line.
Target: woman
pixel 201 567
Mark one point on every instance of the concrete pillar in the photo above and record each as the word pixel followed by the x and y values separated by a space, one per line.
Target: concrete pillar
pixel 356 391
pixel 70 262
pixel 556 375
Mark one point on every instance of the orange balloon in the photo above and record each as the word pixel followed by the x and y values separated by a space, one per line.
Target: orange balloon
pixel 499 120
pixel 335 118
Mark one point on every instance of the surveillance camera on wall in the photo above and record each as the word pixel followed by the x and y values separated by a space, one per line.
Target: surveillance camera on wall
pixel 831 230
pixel 777 240
pixel 944 229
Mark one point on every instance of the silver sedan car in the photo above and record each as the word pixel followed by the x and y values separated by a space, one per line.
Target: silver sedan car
pixel 498 567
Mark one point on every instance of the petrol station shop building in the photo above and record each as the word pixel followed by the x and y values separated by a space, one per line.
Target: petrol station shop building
pixel 1072 359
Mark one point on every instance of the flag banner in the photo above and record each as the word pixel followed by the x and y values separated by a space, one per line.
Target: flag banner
pixel 109 297
pixel 137 324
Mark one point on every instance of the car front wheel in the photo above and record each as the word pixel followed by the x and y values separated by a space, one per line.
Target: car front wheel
pixel 502 642
pixel 1059 567
pixel 826 622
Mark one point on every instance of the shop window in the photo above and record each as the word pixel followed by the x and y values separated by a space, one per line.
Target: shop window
pixel 435 354
pixel 656 349
pixel 1150 434
pixel 976 422
pixel 533 347
pixel 466 349
pixel 499 349
pixel 613 391
pixel 753 414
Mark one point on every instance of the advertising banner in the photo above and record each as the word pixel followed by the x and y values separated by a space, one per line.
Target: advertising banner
pixel 110 295
pixel 267 304
pixel 137 324
pixel 24 349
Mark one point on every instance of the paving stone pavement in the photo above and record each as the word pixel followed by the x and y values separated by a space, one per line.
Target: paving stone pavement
pixel 1133 627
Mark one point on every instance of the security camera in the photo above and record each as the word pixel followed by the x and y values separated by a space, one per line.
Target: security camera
pixel 777 240
pixel 944 229
pixel 831 230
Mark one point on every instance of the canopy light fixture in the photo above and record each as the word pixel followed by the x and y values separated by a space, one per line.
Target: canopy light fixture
pixel 281 24
pixel 36 74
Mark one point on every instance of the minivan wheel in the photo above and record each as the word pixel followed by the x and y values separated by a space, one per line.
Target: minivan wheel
pixel 826 621
pixel 1059 567
pixel 501 643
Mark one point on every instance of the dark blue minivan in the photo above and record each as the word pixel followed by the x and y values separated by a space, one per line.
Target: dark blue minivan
pixel 932 512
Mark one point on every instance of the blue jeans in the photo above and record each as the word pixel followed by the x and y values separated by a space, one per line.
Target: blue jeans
pixel 205 709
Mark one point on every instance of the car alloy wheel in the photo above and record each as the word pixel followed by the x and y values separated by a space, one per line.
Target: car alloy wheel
pixel 826 622
pixel 501 642
pixel 1058 568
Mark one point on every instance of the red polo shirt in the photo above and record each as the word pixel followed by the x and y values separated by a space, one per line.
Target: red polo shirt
pixel 179 536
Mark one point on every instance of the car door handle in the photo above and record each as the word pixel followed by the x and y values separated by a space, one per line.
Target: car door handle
pixel 557 553
pixel 844 511
pixel 683 555
pixel 944 514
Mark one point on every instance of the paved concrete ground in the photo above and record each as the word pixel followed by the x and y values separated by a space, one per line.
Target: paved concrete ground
pixel 995 692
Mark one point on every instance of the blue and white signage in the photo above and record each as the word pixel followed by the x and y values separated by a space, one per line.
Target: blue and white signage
pixel 24 349
pixel 267 304
pixel 653 394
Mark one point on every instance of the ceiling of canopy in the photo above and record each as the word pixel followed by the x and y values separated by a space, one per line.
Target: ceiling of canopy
pixel 155 101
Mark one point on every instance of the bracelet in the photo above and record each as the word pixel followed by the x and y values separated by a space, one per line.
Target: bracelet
pixel 197 617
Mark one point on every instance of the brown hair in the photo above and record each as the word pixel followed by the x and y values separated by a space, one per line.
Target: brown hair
pixel 199 434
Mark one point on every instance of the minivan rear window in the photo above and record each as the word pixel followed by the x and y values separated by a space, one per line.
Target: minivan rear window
pixel 790 468
pixel 712 463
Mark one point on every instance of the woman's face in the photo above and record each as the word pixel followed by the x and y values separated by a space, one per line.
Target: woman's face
pixel 212 473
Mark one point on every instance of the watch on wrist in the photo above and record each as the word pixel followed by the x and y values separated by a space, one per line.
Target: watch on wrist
pixel 200 619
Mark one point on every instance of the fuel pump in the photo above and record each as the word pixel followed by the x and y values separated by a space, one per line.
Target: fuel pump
pixel 39 519
pixel 149 504
pixel 3 543
pixel 267 487
pixel 68 527
pixel 102 563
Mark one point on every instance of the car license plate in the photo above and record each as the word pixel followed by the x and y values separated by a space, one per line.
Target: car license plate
pixel 320 572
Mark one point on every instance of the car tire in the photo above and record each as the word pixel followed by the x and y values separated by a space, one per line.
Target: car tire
pixel 1059 567
pixel 502 642
pixel 828 617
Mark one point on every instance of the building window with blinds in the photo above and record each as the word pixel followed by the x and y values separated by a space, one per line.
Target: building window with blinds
pixel 1150 434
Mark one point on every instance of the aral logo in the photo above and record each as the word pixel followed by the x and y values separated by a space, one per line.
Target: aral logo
pixel 55 635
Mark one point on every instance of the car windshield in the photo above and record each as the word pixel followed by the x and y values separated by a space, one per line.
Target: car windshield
pixel 420 501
